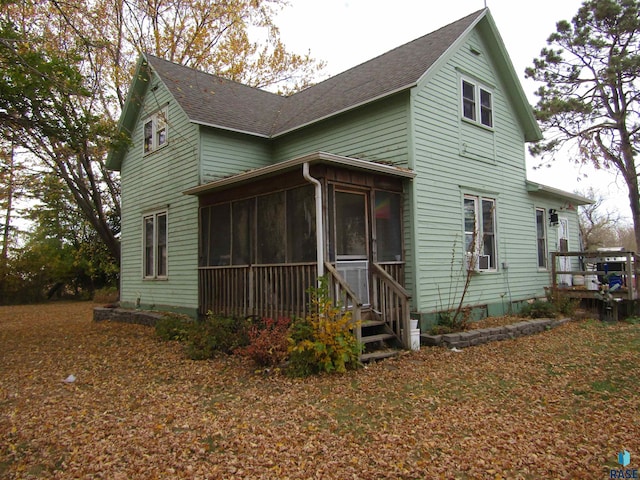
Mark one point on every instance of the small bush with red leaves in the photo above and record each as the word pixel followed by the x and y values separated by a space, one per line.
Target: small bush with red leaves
pixel 268 342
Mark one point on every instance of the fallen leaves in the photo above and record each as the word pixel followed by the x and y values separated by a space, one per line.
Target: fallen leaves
pixel 560 404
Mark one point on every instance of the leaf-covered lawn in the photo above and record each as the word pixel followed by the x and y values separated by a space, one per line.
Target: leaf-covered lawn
pixel 560 404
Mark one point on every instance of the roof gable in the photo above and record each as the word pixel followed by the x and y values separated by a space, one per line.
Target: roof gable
pixel 391 72
pixel 213 101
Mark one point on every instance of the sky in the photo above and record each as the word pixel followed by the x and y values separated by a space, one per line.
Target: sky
pixel 345 33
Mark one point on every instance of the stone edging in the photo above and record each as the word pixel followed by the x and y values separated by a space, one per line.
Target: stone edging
pixel 101 314
pixel 491 334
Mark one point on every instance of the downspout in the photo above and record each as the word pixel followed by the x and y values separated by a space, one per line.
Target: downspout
pixel 319 225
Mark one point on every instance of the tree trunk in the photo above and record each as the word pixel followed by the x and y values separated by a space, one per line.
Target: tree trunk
pixel 7 218
pixel 634 203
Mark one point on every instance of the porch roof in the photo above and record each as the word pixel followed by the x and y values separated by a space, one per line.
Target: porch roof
pixel 289 165
pixel 572 198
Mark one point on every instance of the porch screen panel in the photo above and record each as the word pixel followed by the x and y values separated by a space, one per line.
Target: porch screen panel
pixel 220 235
pixel 241 213
pixel 301 225
pixel 204 236
pixel 388 228
pixel 271 234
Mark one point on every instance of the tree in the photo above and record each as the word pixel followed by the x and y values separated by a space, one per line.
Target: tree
pixel 62 254
pixel 591 97
pixel 65 68
pixel 597 228
pixel 626 238
pixel 46 108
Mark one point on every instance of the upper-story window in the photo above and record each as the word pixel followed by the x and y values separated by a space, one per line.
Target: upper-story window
pixel 155 131
pixel 477 103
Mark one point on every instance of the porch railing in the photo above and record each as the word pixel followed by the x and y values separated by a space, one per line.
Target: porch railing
pixel 281 290
pixel 265 290
pixel 392 302
pixel 343 295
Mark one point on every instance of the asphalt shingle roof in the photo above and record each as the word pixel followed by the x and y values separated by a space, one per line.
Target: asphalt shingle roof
pixel 212 100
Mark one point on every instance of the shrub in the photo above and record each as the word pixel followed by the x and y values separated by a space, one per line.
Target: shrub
pixel 268 342
pixel 216 334
pixel 324 340
pixel 106 295
pixel 174 327
pixel 452 321
pixel 563 304
pixel 538 309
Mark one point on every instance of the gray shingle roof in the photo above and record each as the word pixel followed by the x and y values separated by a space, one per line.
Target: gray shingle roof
pixel 211 100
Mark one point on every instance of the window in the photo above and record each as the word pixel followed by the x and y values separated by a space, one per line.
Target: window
pixel 155 245
pixel 541 228
pixel 155 131
pixel 477 103
pixel 480 232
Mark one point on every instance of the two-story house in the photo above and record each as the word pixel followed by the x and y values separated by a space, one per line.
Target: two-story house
pixel 394 178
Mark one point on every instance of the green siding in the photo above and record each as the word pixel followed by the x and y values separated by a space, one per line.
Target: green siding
pixel 373 132
pixel 225 153
pixel 156 182
pixel 454 157
pixel 421 129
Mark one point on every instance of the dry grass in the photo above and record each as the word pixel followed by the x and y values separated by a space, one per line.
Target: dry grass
pixel 560 404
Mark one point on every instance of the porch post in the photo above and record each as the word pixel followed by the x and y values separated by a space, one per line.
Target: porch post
pixel 319 223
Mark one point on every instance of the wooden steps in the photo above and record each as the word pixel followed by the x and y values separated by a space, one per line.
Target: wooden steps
pixel 378 341
pixel 380 337
pixel 378 355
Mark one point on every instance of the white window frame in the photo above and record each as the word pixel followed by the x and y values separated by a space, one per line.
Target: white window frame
pixel 541 219
pixel 476 104
pixel 474 241
pixel 155 131
pixel 155 257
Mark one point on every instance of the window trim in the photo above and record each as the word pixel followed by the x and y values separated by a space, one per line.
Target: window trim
pixel 151 143
pixel 156 259
pixel 479 234
pixel 545 237
pixel 477 103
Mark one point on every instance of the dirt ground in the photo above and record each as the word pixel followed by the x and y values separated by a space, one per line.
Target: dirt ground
pixel 560 404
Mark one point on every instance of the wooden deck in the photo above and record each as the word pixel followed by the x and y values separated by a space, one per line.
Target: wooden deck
pixel 610 273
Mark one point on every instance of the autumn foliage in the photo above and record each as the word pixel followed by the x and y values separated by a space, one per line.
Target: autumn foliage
pixel 324 341
pixel 268 342
pixel 560 405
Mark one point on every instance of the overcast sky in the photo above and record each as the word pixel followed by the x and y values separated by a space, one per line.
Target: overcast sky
pixel 345 33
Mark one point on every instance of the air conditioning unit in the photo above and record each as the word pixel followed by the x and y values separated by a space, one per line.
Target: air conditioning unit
pixel 484 262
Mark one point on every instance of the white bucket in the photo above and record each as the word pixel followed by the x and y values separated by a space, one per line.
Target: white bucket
pixel 413 323
pixel 415 339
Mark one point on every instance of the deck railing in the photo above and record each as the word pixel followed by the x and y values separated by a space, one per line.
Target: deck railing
pixel 265 290
pixel 627 269
pixel 392 302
